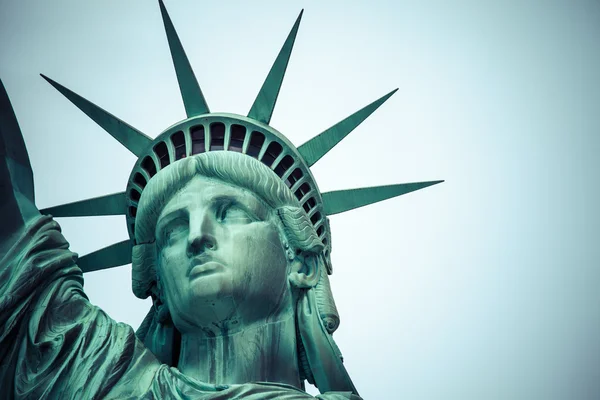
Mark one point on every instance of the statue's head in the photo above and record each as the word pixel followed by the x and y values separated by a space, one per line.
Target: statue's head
pixel 223 244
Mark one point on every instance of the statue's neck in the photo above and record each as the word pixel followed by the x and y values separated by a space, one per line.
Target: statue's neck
pixel 260 352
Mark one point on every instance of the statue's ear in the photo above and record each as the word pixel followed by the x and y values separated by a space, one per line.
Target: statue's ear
pixel 304 271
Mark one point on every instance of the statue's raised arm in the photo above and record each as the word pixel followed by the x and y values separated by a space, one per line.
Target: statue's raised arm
pixel 228 235
pixel 53 342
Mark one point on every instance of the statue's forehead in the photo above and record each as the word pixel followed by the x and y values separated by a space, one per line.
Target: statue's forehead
pixel 204 190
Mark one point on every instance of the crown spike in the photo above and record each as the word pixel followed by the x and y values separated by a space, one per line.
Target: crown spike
pixel 134 140
pixel 317 147
pixel 111 204
pixel 343 200
pixel 262 108
pixel 112 256
pixel 193 99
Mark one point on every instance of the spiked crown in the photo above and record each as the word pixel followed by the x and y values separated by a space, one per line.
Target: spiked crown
pixel 204 131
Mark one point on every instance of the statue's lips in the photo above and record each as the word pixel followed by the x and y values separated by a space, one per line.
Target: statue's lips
pixel 206 268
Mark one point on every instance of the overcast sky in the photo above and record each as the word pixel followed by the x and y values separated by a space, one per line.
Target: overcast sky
pixel 483 287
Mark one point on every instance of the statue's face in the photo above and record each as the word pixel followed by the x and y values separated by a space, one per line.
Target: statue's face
pixel 221 259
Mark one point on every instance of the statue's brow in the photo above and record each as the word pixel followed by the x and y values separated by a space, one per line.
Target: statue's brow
pixel 253 204
pixel 169 217
pixel 226 197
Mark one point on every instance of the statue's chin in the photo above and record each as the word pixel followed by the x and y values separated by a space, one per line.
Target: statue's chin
pixel 219 302
pixel 209 284
pixel 217 314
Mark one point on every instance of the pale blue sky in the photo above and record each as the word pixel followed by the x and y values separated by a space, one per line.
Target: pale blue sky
pixel 483 287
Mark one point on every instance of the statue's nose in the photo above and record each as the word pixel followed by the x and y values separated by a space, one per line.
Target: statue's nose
pixel 202 234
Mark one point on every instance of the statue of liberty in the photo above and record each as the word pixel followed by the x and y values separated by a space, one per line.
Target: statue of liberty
pixel 229 237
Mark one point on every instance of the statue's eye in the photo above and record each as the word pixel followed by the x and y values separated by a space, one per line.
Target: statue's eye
pixel 232 213
pixel 175 230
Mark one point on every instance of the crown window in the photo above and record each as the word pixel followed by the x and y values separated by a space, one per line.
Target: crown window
pixel 198 139
pixel 238 132
pixel 178 141
pixel 148 165
pixel 217 136
pixel 256 142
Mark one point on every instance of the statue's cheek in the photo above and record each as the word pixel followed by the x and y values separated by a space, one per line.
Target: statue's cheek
pixel 172 266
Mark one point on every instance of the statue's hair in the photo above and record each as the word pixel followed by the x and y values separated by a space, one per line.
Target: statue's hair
pixel 246 173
